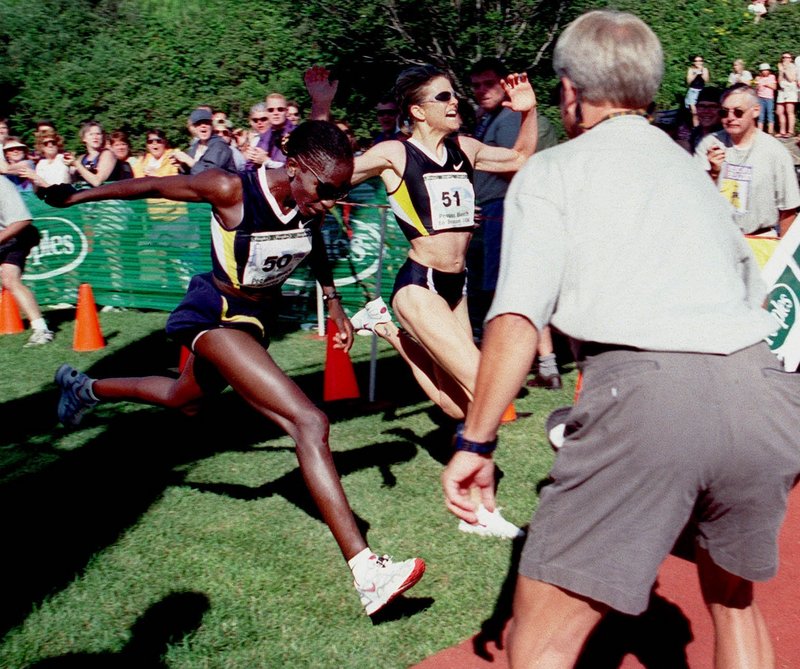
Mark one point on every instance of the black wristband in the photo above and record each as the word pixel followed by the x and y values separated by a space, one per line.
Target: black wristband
pixel 333 296
pixel 479 447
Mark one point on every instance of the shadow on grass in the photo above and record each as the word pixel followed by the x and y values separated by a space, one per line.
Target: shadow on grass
pixel 61 506
pixel 291 487
pixel 166 622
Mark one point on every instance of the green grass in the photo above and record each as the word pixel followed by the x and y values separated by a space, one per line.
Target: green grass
pixel 147 534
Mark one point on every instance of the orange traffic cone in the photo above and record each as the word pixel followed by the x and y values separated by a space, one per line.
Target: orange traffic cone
pixel 10 320
pixel 340 377
pixel 88 336
pixel 185 353
pixel 510 414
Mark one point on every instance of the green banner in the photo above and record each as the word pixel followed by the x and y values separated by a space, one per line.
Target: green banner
pixel 142 253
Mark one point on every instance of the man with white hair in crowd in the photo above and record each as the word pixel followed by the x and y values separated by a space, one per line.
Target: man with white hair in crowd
pixel 622 243
pixel 753 170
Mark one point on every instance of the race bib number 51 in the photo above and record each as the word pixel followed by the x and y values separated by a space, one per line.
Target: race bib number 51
pixel 452 200
pixel 274 256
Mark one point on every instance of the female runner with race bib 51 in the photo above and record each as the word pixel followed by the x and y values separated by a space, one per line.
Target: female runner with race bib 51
pixel 428 179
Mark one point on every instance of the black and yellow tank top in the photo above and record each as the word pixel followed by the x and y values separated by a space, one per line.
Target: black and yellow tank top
pixel 433 197
pixel 267 246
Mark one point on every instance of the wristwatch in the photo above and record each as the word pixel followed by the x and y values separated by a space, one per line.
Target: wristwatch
pixel 479 447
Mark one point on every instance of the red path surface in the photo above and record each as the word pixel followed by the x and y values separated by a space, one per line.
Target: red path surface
pixel 676 632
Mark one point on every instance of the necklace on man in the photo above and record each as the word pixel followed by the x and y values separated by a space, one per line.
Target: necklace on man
pixel 627 112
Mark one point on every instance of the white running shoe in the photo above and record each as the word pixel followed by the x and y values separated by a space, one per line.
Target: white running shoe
pixel 491 525
pixel 39 337
pixel 384 579
pixel 374 313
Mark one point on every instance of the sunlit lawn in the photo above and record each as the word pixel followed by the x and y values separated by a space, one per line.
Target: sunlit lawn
pixel 146 534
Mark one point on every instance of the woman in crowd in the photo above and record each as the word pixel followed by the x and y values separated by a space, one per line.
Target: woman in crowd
pixel 264 224
pixel 293 112
pixel 120 145
pixel 787 96
pixel 429 182
pixel 697 76
pixel 156 162
pixel 739 74
pixel 51 168
pixel 20 169
pixel 765 84
pixel 99 163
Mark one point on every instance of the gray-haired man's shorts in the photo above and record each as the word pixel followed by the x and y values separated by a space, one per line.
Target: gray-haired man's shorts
pixel 655 441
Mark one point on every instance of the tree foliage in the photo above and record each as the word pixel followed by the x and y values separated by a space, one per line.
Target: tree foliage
pixel 134 64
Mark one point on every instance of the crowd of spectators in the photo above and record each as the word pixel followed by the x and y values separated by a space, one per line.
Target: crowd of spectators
pixel 776 90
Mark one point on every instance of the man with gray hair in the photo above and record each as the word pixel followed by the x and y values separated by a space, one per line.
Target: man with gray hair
pixel 622 243
pixel 752 169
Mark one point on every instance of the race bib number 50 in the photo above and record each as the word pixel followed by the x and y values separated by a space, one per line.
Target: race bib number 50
pixel 452 200
pixel 274 256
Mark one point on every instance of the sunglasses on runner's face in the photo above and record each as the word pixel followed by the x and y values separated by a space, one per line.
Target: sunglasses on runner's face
pixel 155 140
pixel 326 190
pixel 48 142
pixel 444 96
pixel 738 113
pixel 274 109
pixel 260 119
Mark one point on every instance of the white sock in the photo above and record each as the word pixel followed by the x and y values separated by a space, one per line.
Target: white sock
pixel 359 562
pixel 39 324
pixel 91 391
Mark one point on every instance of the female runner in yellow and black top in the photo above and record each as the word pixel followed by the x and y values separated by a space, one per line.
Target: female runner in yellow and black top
pixel 429 181
pixel 263 224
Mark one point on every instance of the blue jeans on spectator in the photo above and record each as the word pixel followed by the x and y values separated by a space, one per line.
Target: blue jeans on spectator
pixel 767 110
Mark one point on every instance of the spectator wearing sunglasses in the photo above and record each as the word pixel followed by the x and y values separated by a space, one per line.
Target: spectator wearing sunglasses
pixel 225 131
pixel 293 112
pixel 156 160
pixel 265 223
pixel 268 148
pixel 429 177
pixel 753 170
pixel 386 112
pixel 51 168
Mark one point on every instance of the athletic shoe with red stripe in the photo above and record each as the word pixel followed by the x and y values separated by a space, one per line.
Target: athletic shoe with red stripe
pixel 374 313
pixel 384 579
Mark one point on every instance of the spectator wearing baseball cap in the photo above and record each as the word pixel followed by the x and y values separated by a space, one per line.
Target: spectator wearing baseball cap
pixel 766 83
pixel 208 151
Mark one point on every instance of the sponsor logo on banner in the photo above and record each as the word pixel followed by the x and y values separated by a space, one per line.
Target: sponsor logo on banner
pixel 782 303
pixel 61 249
pixel 782 274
